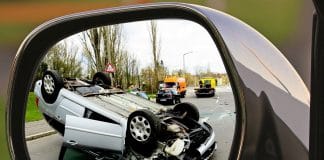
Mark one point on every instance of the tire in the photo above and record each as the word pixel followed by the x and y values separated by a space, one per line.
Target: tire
pixel 52 83
pixel 179 100
pixel 183 94
pixel 143 128
pixel 213 94
pixel 173 101
pixel 190 109
pixel 101 79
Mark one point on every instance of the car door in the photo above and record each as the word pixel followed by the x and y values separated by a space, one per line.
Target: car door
pixel 81 131
pixel 68 106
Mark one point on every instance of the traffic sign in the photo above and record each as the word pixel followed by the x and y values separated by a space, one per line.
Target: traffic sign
pixel 110 68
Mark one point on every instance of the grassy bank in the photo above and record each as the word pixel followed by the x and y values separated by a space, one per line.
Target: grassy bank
pixel 32 112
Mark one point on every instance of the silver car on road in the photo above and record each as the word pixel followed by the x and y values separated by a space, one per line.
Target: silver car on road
pixel 93 116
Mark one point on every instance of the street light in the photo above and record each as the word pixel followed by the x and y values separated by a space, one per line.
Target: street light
pixel 183 60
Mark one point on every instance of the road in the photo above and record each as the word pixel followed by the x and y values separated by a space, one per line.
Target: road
pixel 220 111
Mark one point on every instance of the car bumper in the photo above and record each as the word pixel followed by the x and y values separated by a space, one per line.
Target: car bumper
pixel 164 99
pixel 205 94
pixel 208 93
pixel 207 149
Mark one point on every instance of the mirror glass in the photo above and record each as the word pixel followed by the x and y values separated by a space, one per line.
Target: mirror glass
pixel 153 89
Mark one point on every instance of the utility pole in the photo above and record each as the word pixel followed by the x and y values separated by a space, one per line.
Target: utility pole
pixel 183 61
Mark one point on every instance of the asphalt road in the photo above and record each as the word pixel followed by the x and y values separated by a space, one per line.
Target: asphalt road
pixel 219 109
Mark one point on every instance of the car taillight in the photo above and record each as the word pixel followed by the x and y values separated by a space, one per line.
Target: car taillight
pixel 36 101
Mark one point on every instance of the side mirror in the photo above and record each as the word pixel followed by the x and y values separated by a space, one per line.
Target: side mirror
pixel 271 100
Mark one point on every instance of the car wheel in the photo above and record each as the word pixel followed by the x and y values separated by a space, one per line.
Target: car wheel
pixel 189 109
pixel 52 83
pixel 173 101
pixel 143 128
pixel 101 79
pixel 179 100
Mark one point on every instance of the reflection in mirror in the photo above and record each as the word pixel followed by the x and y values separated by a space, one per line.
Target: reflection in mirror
pixel 147 89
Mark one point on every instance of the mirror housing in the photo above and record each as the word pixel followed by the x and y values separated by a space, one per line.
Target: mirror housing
pixel 316 144
pixel 262 80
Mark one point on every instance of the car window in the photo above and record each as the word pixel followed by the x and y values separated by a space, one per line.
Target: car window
pixel 169 85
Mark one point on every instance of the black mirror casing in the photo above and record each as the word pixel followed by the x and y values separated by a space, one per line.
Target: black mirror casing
pixel 260 88
pixel 316 144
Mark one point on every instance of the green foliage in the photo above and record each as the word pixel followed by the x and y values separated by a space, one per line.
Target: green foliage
pixel 147 75
pixel 3 145
pixel 14 32
pixel 276 19
pixel 40 71
pixel 151 96
pixel 32 112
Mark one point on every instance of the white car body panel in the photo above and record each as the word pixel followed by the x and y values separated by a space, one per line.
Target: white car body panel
pixel 64 109
pixel 75 102
pixel 93 133
pixel 69 109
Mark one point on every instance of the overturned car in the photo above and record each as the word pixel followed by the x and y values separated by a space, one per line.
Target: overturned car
pixel 98 119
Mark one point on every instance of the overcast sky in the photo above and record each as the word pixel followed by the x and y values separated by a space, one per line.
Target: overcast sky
pixel 177 37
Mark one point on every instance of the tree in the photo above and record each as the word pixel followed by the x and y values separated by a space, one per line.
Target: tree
pixel 103 45
pixel 41 70
pixel 147 75
pixel 63 58
pixel 39 73
pixel 156 48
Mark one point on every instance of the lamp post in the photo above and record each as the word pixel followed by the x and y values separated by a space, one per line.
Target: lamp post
pixel 183 60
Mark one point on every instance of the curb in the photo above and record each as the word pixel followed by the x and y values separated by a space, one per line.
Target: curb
pixel 40 135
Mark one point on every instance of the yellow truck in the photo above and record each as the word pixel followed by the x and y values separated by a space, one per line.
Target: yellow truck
pixel 207 87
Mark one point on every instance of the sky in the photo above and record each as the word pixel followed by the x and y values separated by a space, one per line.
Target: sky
pixel 177 37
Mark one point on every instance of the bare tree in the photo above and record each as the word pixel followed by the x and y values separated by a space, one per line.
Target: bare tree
pixel 103 45
pixel 147 79
pixel 155 43
pixel 156 48
pixel 63 58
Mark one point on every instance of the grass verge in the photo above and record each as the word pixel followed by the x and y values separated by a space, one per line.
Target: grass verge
pixel 151 95
pixel 32 112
